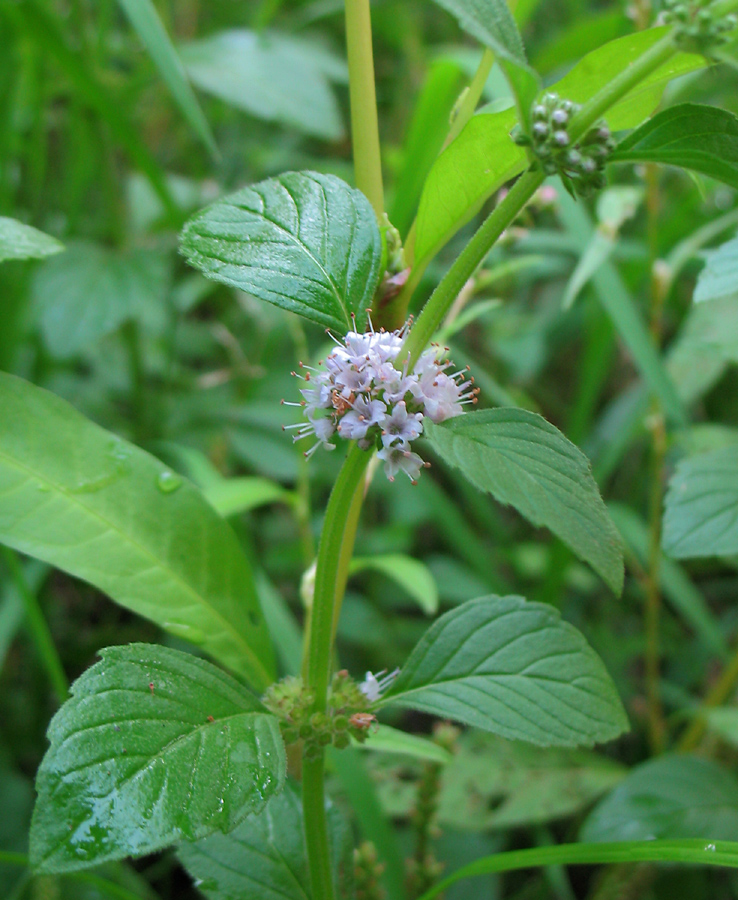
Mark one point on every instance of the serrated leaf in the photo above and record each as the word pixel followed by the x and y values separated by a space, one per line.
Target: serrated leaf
pixel 491 23
pixel 265 857
pixel 89 291
pixel 701 138
pixel 701 506
pixel 513 668
pixel 19 241
pixel 719 278
pixel 276 77
pixel 305 242
pixel 521 459
pixel 82 499
pixel 154 746
pixel 669 797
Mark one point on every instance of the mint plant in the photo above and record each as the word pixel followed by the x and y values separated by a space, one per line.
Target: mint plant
pixel 227 759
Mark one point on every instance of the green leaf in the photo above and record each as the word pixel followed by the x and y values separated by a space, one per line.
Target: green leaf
pixel 701 138
pixel 154 746
pixel 232 496
pixel 701 506
pixel 265 857
pixel 484 157
pixel 491 23
pixel 513 668
pixel 19 241
pixel 494 783
pixel 391 740
pixel 143 16
pixel 719 278
pixel 306 242
pixel 669 797
pixel 90 291
pixel 81 499
pixel 690 852
pixel 521 459
pixel 723 721
pixel 271 76
pixel 410 574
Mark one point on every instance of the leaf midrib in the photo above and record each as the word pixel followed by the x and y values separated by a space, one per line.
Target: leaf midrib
pixel 76 501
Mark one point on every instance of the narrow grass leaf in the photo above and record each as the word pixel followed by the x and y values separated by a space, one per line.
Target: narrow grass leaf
pixel 303 241
pixel 154 746
pixel 145 19
pixel 521 459
pixel 512 668
pixel 410 574
pixel 85 501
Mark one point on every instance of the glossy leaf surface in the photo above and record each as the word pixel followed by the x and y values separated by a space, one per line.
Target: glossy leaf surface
pixel 513 668
pixel 668 797
pixel 265 856
pixel 701 138
pixel 521 459
pixel 154 746
pixel 306 242
pixel 701 506
pixel 82 499
pixel 20 241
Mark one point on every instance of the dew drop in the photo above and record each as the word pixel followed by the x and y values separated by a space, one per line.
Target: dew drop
pixel 168 482
pixel 42 487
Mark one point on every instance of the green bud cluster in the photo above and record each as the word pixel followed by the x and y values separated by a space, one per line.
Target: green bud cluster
pixel 697 28
pixel 346 715
pixel 580 165
pixel 367 871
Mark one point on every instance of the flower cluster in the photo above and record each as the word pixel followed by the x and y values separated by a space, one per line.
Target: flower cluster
pixel 347 714
pixel 581 165
pixel 365 394
pixel 697 27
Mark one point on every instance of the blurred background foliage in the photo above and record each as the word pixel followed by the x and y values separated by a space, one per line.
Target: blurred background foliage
pixel 105 146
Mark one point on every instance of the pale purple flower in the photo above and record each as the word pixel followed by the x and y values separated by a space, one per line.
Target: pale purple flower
pixel 366 394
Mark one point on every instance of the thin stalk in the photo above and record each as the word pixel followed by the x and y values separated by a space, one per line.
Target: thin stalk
pixel 362 93
pixel 335 548
pixel 331 550
pixel 717 695
pixel 316 829
pixel 652 611
pixel 39 630
pixel 440 301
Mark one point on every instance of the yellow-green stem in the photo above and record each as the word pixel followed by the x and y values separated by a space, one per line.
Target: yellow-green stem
pixel 362 93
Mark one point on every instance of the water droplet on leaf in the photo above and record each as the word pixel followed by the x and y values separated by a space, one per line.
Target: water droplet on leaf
pixel 168 482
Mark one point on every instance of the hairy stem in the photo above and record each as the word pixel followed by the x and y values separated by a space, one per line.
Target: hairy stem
pixel 364 123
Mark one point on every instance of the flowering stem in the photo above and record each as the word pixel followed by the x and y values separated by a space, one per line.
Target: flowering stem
pixel 334 551
pixel 363 100
pixel 439 303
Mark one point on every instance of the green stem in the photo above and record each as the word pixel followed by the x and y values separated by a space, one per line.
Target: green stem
pixel 335 548
pixel 316 829
pixel 716 696
pixel 331 551
pixel 38 627
pixel 471 97
pixel 467 262
pixel 364 122
pixel 501 217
